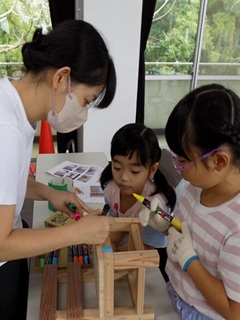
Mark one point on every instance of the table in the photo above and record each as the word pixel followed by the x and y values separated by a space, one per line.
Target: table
pixel 155 291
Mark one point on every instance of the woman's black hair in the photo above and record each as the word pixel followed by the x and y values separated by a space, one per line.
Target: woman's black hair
pixel 206 118
pixel 78 45
pixel 136 137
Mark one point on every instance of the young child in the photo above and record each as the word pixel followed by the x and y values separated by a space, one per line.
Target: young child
pixel 135 155
pixel 203 265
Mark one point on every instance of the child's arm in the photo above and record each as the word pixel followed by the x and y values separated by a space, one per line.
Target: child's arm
pixel 180 249
pixel 213 291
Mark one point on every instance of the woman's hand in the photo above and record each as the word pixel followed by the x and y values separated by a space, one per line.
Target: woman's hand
pixel 58 199
pixel 92 229
pixel 61 199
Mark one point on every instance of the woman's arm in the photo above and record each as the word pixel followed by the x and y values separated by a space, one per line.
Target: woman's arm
pixel 58 199
pixel 23 243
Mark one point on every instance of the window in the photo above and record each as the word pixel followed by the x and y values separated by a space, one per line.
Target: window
pixel 171 43
pixel 191 43
pixel 18 21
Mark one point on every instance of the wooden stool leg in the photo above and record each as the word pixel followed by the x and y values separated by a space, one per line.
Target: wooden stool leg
pixel 104 274
pixel 48 304
pixel 109 284
pixel 136 282
pixel 74 291
pixel 140 290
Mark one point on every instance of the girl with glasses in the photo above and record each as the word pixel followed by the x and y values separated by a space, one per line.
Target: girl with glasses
pixel 203 132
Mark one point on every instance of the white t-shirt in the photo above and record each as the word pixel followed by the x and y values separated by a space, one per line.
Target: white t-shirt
pixel 16 139
pixel 215 233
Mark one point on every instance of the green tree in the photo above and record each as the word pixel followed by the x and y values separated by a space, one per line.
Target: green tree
pixel 173 35
pixel 172 39
pixel 221 42
pixel 18 20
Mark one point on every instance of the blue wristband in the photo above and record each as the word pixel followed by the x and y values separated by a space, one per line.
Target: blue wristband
pixel 186 264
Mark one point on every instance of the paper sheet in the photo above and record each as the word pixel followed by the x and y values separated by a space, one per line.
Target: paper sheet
pixel 85 179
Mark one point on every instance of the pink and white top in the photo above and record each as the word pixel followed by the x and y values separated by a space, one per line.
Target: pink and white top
pixel 216 239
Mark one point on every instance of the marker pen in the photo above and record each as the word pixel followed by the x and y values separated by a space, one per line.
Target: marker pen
pixel 86 255
pixel 71 206
pixel 55 257
pixel 165 215
pixel 75 253
pixel 105 209
pixel 70 254
pixel 80 254
pixel 41 261
pixel 76 214
pixel 49 257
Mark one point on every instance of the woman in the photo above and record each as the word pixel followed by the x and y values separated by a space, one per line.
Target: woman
pixel 67 70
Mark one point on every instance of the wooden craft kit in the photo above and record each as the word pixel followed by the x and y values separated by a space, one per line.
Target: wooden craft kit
pixel 106 268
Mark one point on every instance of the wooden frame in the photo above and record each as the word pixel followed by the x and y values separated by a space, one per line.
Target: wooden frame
pixel 108 267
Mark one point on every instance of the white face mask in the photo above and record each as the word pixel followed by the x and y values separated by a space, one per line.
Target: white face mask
pixel 71 117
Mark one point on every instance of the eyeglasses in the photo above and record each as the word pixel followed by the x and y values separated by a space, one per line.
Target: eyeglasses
pixel 180 168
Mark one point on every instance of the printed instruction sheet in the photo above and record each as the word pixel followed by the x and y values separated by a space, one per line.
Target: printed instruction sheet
pixel 85 179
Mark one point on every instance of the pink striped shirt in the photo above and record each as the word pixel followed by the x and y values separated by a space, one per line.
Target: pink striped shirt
pixel 216 239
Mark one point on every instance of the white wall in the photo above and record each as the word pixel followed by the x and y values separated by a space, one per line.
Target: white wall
pixel 119 21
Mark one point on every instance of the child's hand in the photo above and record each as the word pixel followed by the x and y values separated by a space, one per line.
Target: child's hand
pixel 148 217
pixel 180 246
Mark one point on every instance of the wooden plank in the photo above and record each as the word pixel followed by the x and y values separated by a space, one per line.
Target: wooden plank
pixel 136 237
pixel 98 263
pixel 136 259
pixel 140 290
pixel 107 242
pixel 119 274
pixel 123 224
pixel 132 285
pixel 131 246
pixel 87 275
pixel 48 302
pixel 136 281
pixel 120 313
pixel 109 284
pixel 95 266
pixel 74 291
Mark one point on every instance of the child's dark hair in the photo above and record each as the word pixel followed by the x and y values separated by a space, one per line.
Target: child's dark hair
pixel 78 45
pixel 206 118
pixel 136 137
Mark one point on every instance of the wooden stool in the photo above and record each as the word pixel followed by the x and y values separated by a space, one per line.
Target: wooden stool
pixel 108 267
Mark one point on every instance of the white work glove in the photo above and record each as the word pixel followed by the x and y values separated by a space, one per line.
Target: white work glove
pixel 180 246
pixel 147 217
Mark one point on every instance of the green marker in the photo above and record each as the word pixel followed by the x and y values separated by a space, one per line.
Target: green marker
pixel 41 261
